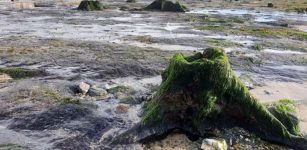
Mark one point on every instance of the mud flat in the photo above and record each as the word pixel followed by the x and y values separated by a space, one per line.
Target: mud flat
pixel 120 56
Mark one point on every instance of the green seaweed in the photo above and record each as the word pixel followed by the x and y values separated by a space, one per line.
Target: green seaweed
pixel 13 147
pixel 192 88
pixel 121 89
pixel 18 73
pixel 90 5
pixel 284 110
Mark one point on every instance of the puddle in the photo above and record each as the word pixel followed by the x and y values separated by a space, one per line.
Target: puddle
pixel 259 16
pixel 282 51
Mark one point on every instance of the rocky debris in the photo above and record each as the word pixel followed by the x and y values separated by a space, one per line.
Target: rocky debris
pixel 122 108
pixel 214 144
pixel 173 141
pixel 83 88
pixel 238 138
pixel 166 5
pixel 270 5
pixel 90 5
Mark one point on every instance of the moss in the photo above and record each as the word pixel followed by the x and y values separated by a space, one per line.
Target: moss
pixel 166 5
pixel 18 73
pixel 222 43
pixel 70 100
pixel 284 110
pixel 121 89
pixel 263 31
pixel 275 32
pixel 13 147
pixel 257 47
pixel 193 86
pixel 48 95
pixel 90 5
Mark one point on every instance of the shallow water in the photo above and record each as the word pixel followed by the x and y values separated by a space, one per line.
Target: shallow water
pixel 282 51
pixel 259 15
pixel 69 27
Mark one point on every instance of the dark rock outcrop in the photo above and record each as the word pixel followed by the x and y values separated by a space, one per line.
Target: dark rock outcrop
pixel 90 5
pixel 166 5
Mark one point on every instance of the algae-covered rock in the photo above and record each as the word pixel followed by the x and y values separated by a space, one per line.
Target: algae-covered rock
pixel 90 5
pixel 166 5
pixel 201 92
pixel 131 1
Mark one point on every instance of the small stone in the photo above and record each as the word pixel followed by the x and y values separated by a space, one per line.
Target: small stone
pixel 270 5
pixel 84 87
pixel 267 92
pixel 122 108
pixel 97 92
pixel 4 78
pixel 214 144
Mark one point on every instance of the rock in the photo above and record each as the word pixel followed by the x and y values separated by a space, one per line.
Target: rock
pixel 267 92
pixel 213 144
pixel 83 87
pixel 44 4
pixel 122 108
pixel 90 5
pixel 122 92
pixel 23 5
pixel 131 1
pixel 97 92
pixel 166 5
pixel 4 78
pixel 270 5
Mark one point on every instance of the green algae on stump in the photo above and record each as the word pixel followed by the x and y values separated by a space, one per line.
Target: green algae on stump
pixel 201 89
pixel 166 5
pixel 89 5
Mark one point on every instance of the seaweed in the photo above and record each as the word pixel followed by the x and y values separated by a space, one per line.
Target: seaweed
pixel 18 73
pixel 203 87
pixel 166 5
pixel 90 5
